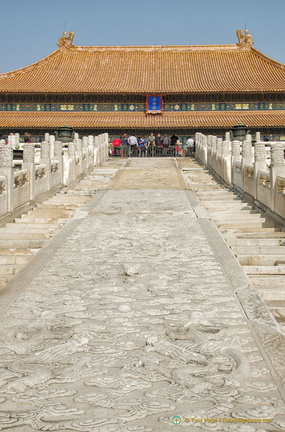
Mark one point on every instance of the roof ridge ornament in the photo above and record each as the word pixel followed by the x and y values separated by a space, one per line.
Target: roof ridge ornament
pixel 66 41
pixel 244 40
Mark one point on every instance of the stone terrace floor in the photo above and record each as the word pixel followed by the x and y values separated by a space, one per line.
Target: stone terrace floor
pixel 141 320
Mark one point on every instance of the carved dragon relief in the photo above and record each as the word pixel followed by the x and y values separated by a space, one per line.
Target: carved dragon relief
pixel 66 41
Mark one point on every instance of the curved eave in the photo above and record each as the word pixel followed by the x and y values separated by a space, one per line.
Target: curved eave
pixel 170 120
pixel 44 92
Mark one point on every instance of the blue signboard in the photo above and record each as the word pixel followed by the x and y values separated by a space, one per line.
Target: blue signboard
pixel 154 104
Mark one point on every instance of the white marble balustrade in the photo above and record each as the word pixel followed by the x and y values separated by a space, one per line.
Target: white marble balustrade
pixel 45 170
pixel 256 169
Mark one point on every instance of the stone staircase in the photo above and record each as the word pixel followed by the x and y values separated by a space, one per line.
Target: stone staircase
pixel 21 239
pixel 256 240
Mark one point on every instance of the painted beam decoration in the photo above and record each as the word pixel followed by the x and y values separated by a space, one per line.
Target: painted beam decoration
pixel 154 104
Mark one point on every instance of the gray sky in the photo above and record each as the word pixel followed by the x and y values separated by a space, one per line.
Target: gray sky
pixel 30 28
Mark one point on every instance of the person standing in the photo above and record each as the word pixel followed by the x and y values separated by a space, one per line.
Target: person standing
pixel 165 141
pixel 158 140
pixel 173 140
pixel 125 145
pixel 116 144
pixel 190 146
pixel 151 144
pixel 133 145
pixel 142 147
pixel 177 148
pixel 27 137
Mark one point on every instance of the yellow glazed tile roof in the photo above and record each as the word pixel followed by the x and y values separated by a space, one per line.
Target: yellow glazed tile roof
pixel 119 120
pixel 149 70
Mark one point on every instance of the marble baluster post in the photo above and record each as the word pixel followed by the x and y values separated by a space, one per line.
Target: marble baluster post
pixel 87 145
pixel 277 168
pixel 219 157
pixel 96 151
pixel 45 159
pixel 259 163
pixel 72 162
pixel 84 155
pixel 52 141
pixel 29 164
pixel 235 156
pixel 257 137
pixel 214 140
pixel 59 156
pixel 6 169
pixel 204 143
pixel 226 162
pixel 78 157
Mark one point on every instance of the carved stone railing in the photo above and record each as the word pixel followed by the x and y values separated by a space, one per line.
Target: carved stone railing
pixel 263 188
pixel 279 198
pixel 21 190
pixel 56 167
pixel 248 179
pixel 3 194
pixel 257 170
pixel 21 178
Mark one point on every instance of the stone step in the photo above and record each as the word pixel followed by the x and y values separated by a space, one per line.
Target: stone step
pixel 23 236
pixel 14 259
pixel 37 220
pixel 215 192
pixel 247 226
pixel 221 199
pixel 68 199
pixel 239 218
pixel 26 223
pixel 18 251
pixel 255 242
pixel 278 304
pixel 258 250
pixel 260 260
pixel 23 228
pixel 249 214
pixel 230 204
pixel 9 270
pixel 80 193
pixel 255 235
pixel 58 206
pixel 48 213
pixel 19 243
pixel 103 171
pixel 226 209
pixel 92 180
pixel 4 280
pixel 88 190
pixel 265 270
pixel 270 284
pixel 204 186
pixel 278 309
pixel 278 294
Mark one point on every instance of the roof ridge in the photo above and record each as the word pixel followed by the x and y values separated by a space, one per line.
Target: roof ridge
pixel 186 48
pixel 31 66
pixel 267 58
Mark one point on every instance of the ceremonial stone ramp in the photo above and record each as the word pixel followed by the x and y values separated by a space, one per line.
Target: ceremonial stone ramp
pixel 152 173
pixel 137 317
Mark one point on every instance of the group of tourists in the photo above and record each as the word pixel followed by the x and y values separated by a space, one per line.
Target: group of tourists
pixel 130 145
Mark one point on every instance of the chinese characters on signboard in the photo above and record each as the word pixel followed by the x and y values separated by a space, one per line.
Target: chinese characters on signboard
pixel 153 104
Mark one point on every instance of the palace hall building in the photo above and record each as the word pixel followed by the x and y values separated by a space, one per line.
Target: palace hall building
pixel 143 89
